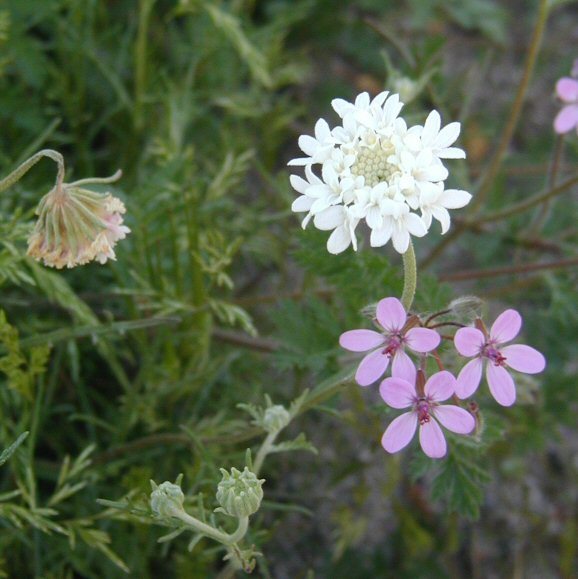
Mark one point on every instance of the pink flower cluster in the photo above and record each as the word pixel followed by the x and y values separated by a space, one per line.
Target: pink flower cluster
pixel 407 387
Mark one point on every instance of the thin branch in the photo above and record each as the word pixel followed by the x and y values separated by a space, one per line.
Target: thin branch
pixel 498 271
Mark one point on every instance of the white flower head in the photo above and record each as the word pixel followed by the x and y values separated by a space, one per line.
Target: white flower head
pixel 374 168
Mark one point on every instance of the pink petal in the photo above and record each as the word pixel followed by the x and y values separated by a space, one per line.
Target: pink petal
pixel 402 367
pixel 400 432
pixel 455 418
pixel 422 339
pixel 566 119
pixel 432 439
pixel 567 89
pixel 469 341
pixel 440 386
pixel 360 340
pixel 397 393
pixel 501 385
pixel 371 368
pixel 506 327
pixel 524 358
pixel 469 378
pixel 391 314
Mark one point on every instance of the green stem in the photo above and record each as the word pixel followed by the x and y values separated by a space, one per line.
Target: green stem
pixel 264 451
pixel 409 277
pixel 20 171
pixel 209 531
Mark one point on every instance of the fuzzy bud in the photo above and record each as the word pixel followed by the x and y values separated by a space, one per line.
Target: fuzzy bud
pixel 167 499
pixel 407 88
pixel 240 493
pixel 275 418
pixel 467 308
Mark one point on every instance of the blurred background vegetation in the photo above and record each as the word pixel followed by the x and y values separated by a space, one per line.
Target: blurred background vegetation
pixel 134 370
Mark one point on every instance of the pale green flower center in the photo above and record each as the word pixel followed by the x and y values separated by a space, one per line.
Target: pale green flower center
pixel 373 165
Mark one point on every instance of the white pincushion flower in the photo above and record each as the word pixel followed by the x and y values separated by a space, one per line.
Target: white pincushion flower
pixel 376 169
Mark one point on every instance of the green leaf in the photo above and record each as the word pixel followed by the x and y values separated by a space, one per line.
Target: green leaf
pixel 7 453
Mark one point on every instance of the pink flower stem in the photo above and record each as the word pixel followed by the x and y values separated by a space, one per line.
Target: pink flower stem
pixel 434 316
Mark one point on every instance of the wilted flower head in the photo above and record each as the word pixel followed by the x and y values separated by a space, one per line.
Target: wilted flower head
pixel 374 168
pixel 484 345
pixel 76 225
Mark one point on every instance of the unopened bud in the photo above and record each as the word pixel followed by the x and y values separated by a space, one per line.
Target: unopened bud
pixel 467 308
pixel 240 493
pixel 275 418
pixel 167 499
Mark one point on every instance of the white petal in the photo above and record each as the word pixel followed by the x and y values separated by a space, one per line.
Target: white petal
pixel 447 136
pixel 451 153
pixel 322 131
pixel 339 240
pixel 298 183
pixel 330 218
pixel 308 145
pixel 415 225
pixel 431 128
pixel 455 198
pixel 400 240
pixel 380 237
pixel 302 203
pixel 442 215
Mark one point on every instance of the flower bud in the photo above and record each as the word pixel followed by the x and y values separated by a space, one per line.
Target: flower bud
pixel 407 88
pixel 467 308
pixel 167 499
pixel 240 493
pixel 275 418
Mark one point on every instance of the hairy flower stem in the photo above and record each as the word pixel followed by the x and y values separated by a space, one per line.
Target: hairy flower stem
pixel 209 531
pixel 20 171
pixel 264 451
pixel 409 277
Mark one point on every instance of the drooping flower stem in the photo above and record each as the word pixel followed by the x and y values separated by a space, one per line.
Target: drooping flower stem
pixel 210 531
pixel 409 277
pixel 20 171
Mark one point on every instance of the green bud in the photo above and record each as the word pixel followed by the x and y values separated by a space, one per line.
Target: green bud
pixel 239 493
pixel 275 418
pixel 167 499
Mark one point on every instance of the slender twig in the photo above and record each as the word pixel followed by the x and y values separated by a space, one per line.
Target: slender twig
pixel 511 123
pixel 526 204
pixel 498 271
pixel 506 136
pixel 542 214
pixel 240 339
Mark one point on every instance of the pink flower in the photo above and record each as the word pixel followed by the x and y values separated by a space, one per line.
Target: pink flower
pixel 567 118
pixel 401 392
pixel 397 332
pixel 483 345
